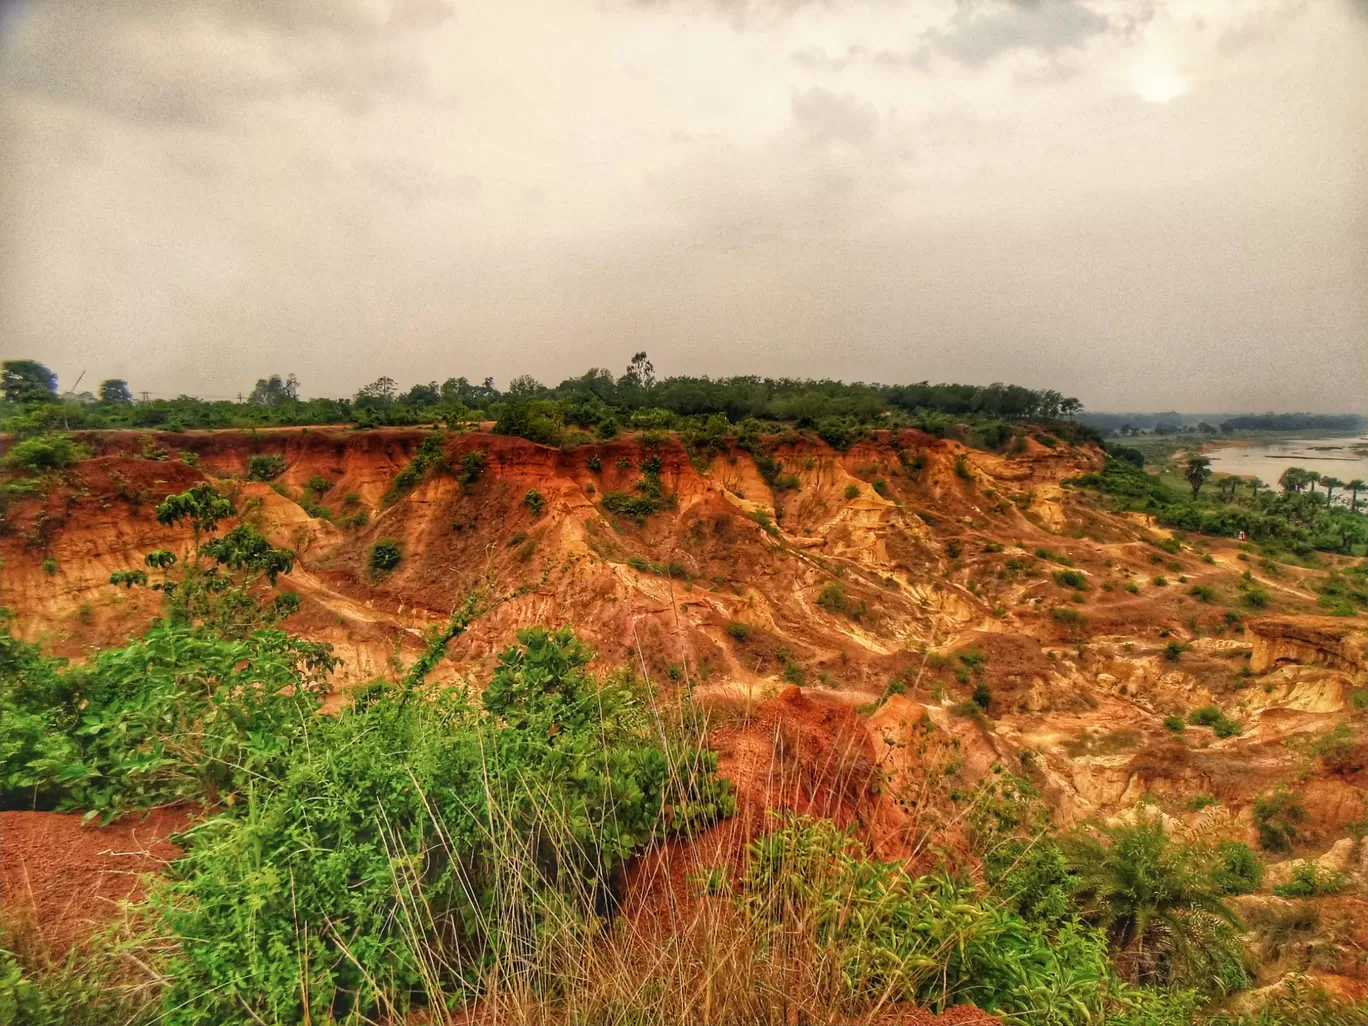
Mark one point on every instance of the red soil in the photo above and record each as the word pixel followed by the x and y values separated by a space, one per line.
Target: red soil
pixel 62 880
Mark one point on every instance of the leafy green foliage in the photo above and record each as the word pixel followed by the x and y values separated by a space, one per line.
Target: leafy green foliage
pixel 1309 880
pixel 1211 716
pixel 931 940
pixel 421 839
pixel 1160 907
pixel 1298 519
pixel 1070 579
pixel 384 556
pixel 472 466
pixel 44 453
pixel 534 502
pixel 1240 870
pixel 430 456
pixel 265 466
pixel 177 714
pixel 1277 817
pixel 738 631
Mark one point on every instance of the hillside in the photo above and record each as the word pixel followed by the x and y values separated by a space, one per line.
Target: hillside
pixel 942 612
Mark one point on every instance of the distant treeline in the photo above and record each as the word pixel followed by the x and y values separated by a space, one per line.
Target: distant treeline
pixel 1173 423
pixel 596 400
pixel 1350 422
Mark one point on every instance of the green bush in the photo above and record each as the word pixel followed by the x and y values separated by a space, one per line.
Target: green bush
pixel 1309 880
pixel 833 598
pixel 318 484
pixel 534 502
pixel 1070 579
pixel 739 631
pixel 44 453
pixel 1210 716
pixel 1174 723
pixel 1240 870
pixel 384 556
pixel 265 466
pixel 1160 907
pixel 472 466
pixel 1277 816
pixel 928 941
pixel 852 491
pixel 421 841
pixel 179 714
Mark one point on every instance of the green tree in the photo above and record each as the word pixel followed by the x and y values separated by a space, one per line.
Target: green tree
pixel 1197 473
pixel 378 395
pixel 1293 479
pixel 1158 904
pixel 1355 486
pixel 27 381
pixel 115 390
pixel 274 391
pixel 1331 483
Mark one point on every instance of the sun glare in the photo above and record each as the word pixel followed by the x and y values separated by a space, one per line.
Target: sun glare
pixel 1159 84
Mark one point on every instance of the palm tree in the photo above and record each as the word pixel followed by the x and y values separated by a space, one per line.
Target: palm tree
pixel 1157 902
pixel 1293 479
pixel 1355 486
pixel 1331 483
pixel 1198 470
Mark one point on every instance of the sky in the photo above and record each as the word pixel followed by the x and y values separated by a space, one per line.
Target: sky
pixel 1149 204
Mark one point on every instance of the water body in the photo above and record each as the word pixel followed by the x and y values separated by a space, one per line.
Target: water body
pixel 1343 457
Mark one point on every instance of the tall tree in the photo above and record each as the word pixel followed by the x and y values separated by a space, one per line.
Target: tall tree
pixel 1197 473
pixel 1293 479
pixel 115 390
pixel 27 381
pixel 274 391
pixel 1331 483
pixel 1355 486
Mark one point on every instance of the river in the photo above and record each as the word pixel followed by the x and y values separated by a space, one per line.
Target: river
pixel 1344 457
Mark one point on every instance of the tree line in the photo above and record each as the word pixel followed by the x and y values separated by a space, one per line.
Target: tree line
pixel 635 398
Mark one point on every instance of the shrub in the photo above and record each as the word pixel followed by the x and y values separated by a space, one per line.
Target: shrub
pixel 318 484
pixel 983 695
pixel 430 839
pixel 1277 817
pixel 533 501
pixel 1210 716
pixel 1309 880
pixel 384 556
pixel 833 598
pixel 738 631
pixel 44 453
pixel 1159 907
pixel 265 466
pixel 1175 724
pixel 1255 598
pixel 49 565
pixel 1065 615
pixel 928 941
pixel 852 491
pixel 962 470
pixel 1240 870
pixel 1202 593
pixel 472 466
pixel 1070 579
pixel 1173 651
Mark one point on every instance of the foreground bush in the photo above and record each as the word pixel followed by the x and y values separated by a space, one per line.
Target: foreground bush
pixel 415 841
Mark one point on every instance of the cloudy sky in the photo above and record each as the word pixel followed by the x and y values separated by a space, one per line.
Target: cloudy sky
pixel 1146 203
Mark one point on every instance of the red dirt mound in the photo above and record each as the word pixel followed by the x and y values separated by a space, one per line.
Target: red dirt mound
pixel 63 880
